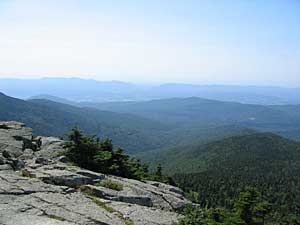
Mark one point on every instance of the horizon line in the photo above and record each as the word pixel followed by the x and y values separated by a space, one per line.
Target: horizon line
pixel 152 82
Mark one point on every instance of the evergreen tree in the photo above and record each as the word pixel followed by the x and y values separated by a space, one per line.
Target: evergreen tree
pixel 91 153
pixel 158 172
pixel 245 205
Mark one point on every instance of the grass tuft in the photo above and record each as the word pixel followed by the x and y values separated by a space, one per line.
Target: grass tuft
pixel 111 185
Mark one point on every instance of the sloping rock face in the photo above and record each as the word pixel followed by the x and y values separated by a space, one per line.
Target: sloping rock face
pixel 37 188
pixel 14 138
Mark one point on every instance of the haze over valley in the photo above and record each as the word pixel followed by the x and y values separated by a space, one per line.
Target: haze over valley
pixel 88 90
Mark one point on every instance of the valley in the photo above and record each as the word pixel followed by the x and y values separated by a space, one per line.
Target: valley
pixel 213 150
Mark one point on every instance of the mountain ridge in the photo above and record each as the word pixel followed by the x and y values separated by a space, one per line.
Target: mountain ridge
pixel 48 118
pixel 102 91
pixel 205 112
pixel 132 132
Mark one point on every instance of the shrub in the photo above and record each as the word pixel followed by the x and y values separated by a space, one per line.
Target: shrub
pixel 91 153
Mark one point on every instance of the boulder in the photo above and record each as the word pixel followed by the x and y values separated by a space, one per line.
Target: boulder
pixel 51 147
pixel 63 159
pixel 61 174
pixel 65 178
pixel 42 160
pixel 14 138
pixel 166 187
pixel 27 154
pixel 17 164
pixel 161 196
pixel 120 196
pixel 6 154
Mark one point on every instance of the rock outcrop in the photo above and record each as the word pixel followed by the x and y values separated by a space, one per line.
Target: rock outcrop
pixel 37 187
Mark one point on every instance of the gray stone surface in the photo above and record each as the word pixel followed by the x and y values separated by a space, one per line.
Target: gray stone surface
pixel 161 197
pixel 2 160
pixel 141 215
pixel 37 188
pixel 24 198
pixel 166 187
pixel 14 138
pixel 121 196
pixel 51 147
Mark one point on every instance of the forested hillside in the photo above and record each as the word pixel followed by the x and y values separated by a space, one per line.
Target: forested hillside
pixel 265 161
pixel 187 157
pixel 195 111
pixel 51 118
pixel 131 132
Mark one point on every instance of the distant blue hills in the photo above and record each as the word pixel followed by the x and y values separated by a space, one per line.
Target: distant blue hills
pixel 87 90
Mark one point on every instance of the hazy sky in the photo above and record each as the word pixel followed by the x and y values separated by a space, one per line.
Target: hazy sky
pixel 194 41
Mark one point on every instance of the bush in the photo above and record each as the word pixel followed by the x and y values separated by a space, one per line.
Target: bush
pixel 192 216
pixel 91 153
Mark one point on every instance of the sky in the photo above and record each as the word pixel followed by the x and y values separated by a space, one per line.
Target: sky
pixel 248 42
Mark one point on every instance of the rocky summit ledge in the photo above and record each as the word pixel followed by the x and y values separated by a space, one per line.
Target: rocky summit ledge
pixel 37 187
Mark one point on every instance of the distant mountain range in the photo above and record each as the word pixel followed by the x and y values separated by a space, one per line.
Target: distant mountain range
pixel 81 90
pixel 198 112
pixel 132 132
pixel 73 89
pixel 155 124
